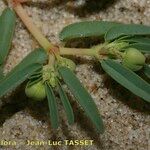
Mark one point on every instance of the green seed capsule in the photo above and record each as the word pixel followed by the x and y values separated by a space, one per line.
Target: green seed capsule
pixel 133 59
pixel 36 91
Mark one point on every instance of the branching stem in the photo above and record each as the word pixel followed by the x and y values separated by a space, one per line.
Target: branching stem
pixel 32 28
pixel 41 38
pixel 97 51
pixel 77 51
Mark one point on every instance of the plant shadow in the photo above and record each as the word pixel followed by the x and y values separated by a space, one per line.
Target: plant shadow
pixel 17 102
pixel 90 7
pixel 38 110
pixel 86 8
pixel 84 124
pixel 122 94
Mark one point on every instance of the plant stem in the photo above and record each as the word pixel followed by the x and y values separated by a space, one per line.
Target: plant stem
pixel 32 28
pixel 51 61
pixel 77 51
pixel 98 51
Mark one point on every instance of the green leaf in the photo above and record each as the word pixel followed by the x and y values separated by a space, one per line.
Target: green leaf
pixel 140 39
pixel 140 43
pixel 145 48
pixel 126 29
pixel 66 104
pixel 147 71
pixel 52 106
pixel 1 73
pixel 23 70
pixel 127 78
pixel 83 97
pixel 7 27
pixel 86 29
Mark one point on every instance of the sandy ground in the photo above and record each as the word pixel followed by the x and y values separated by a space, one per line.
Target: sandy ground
pixel 126 117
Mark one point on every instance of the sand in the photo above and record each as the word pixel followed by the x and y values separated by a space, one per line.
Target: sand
pixel 126 117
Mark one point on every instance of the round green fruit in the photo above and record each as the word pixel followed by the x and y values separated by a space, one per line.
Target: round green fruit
pixel 133 59
pixel 36 91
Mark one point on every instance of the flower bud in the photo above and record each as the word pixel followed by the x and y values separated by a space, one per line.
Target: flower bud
pixel 67 63
pixel 117 45
pixel 36 91
pixel 133 59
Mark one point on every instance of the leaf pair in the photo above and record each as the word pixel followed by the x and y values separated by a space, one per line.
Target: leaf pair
pixel 7 27
pixel 83 97
pixel 53 105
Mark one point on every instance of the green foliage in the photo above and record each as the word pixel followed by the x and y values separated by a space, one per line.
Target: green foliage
pixel 127 78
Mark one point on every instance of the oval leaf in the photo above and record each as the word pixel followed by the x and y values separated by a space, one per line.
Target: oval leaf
pixel 7 27
pixel 83 97
pixel 66 104
pixel 86 29
pixel 126 29
pixel 52 106
pixel 127 78
pixel 23 70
